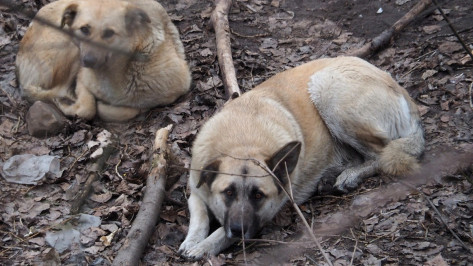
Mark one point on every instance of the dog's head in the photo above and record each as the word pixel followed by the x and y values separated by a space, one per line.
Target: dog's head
pixel 242 195
pixel 105 29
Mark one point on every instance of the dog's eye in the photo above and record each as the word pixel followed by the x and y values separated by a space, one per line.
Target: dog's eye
pixel 258 195
pixel 108 33
pixel 228 192
pixel 85 30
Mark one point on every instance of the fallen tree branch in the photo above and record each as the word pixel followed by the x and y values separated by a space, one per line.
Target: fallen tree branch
pixel 385 37
pixel 221 26
pixel 142 227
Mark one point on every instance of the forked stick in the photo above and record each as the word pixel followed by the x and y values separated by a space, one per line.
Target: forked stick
pixel 385 37
pixel 219 20
pixel 142 227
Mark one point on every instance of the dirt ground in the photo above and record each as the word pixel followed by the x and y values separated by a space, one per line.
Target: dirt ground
pixel 422 219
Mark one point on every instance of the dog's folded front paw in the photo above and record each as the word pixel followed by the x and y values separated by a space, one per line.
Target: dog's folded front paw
pixel 193 250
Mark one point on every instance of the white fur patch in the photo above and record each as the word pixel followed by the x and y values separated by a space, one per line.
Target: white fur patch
pixel 404 109
pixel 317 83
pixel 406 128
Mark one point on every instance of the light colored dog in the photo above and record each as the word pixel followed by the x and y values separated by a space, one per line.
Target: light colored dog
pixel 127 55
pixel 340 119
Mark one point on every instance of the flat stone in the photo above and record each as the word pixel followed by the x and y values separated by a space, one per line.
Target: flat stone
pixel 44 120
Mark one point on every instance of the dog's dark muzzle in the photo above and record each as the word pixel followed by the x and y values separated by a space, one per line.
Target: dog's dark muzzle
pixel 89 61
pixel 241 224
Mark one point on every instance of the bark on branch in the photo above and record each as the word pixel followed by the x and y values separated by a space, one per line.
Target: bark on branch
pixel 142 227
pixel 221 26
pixel 385 37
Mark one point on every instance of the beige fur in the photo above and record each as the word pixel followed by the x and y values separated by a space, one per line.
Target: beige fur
pixel 126 55
pixel 340 119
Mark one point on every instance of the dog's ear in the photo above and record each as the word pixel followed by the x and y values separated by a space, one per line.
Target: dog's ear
pixel 69 15
pixel 286 156
pixel 208 174
pixel 135 18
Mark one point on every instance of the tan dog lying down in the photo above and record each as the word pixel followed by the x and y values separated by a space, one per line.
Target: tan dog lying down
pixel 341 119
pixel 127 55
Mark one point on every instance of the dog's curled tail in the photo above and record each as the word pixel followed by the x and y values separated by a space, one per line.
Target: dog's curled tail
pixel 400 155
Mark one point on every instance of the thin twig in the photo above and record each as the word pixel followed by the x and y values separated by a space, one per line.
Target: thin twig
pixel 271 241
pixel 218 172
pixel 439 214
pixel 116 169
pixel 249 36
pixel 354 249
pixel 298 210
pixel 445 223
pixel 453 29
pixel 243 235
pixel 471 97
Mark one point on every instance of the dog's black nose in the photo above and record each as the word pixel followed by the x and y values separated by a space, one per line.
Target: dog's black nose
pixel 89 61
pixel 236 229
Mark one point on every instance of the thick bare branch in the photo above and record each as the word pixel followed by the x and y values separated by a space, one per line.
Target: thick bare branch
pixel 385 37
pixel 138 236
pixel 222 34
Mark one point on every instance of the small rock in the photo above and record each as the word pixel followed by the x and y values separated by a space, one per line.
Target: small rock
pixel 449 48
pixel 445 118
pixel 437 260
pixel 430 29
pixel 44 120
pixel 401 2
pixel 429 73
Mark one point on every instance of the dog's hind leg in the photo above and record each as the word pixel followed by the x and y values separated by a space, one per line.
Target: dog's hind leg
pixel 113 113
pixel 365 109
pixel 351 177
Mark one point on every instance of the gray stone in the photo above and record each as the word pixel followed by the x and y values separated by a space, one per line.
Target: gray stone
pixel 44 120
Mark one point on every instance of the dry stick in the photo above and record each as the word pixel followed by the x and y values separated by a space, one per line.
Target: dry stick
pixel 142 227
pixel 445 223
pixel 95 169
pixel 291 199
pixel 471 97
pixel 221 26
pixel 438 213
pixel 453 29
pixel 354 249
pixel 385 37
